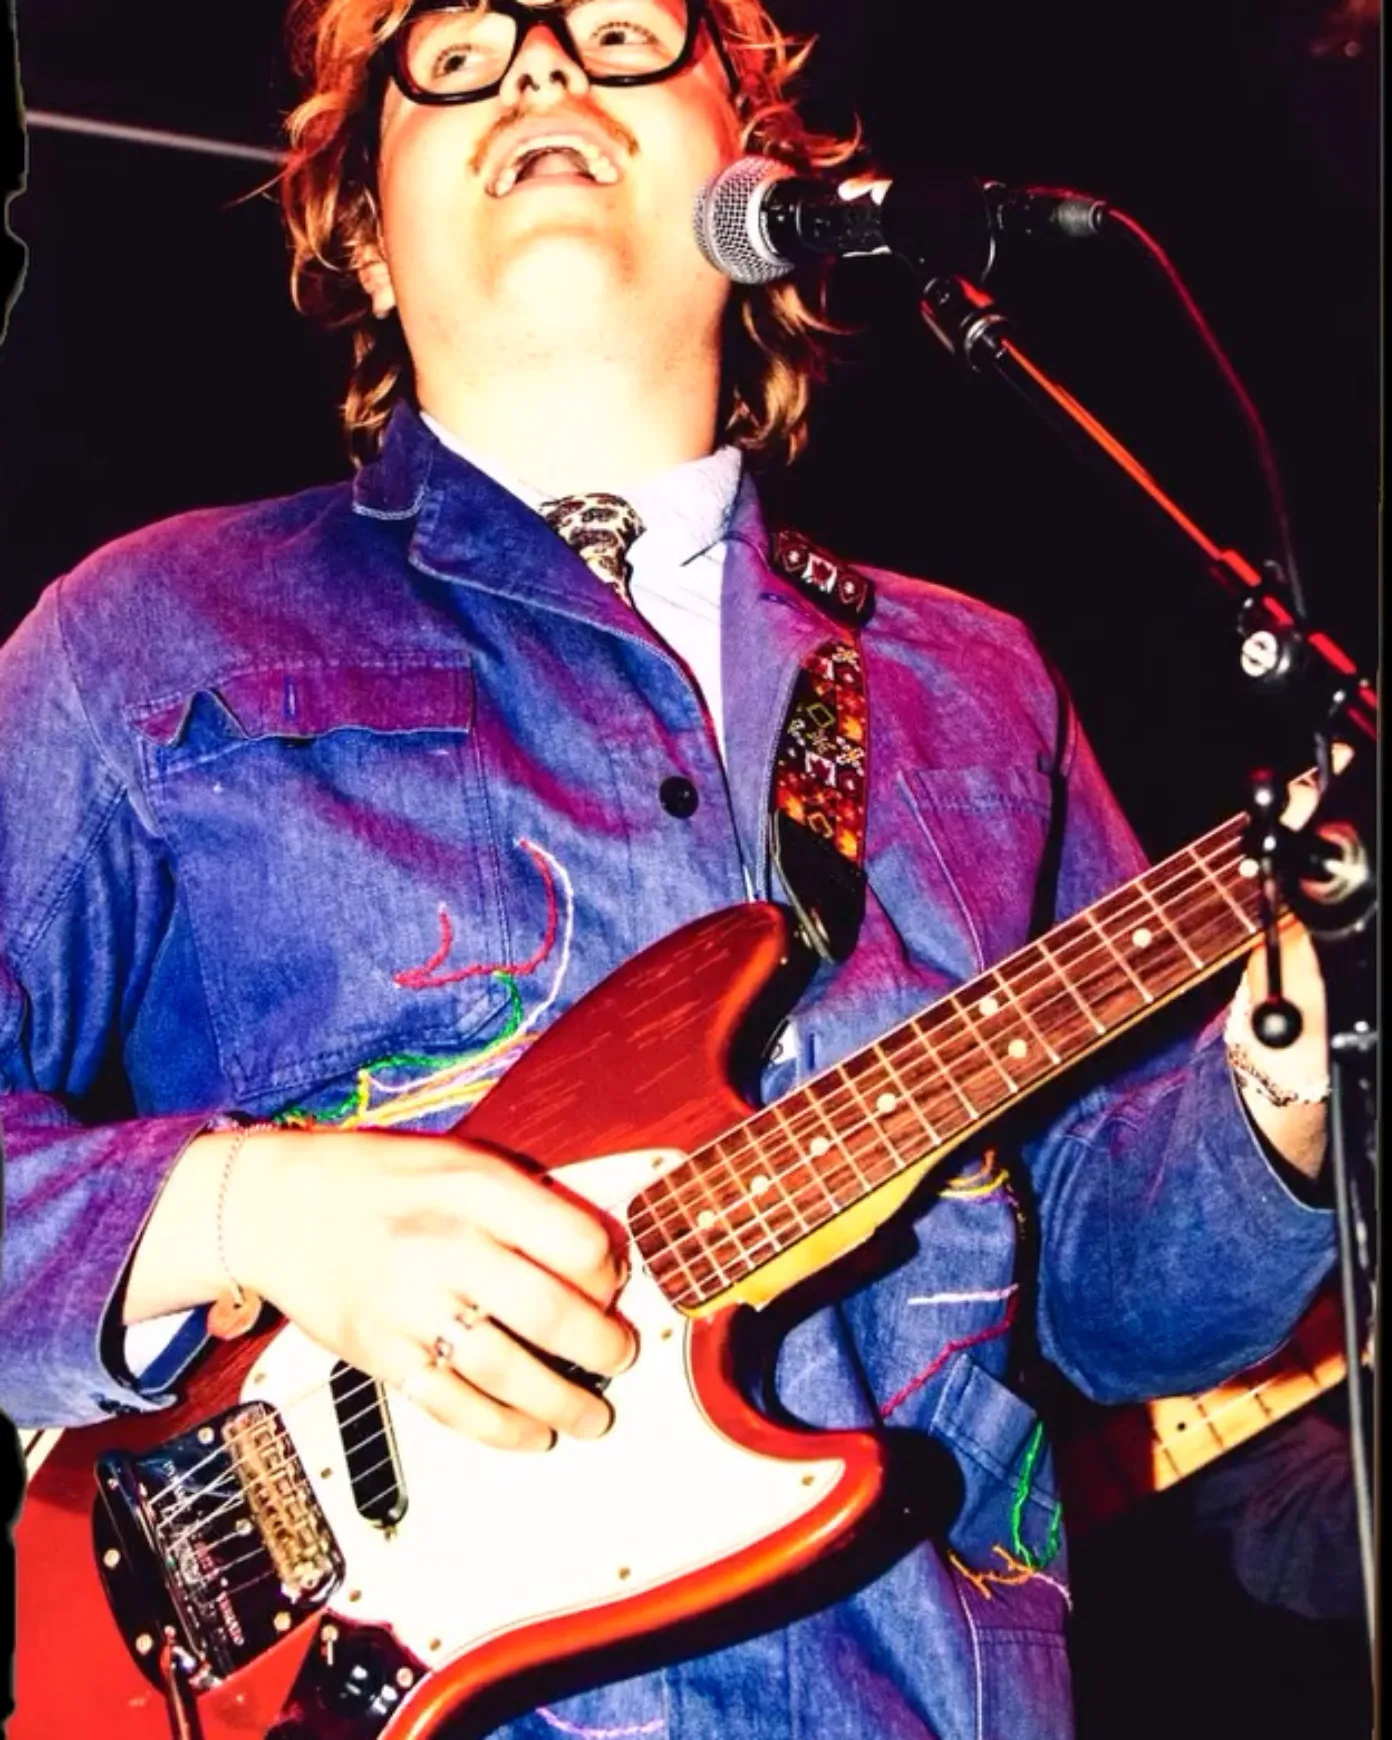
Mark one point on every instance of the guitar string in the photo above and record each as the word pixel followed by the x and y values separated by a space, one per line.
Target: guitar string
pixel 652 1217
pixel 1094 955
pixel 1181 866
pixel 1295 1363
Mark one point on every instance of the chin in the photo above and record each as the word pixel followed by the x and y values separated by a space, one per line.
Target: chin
pixel 567 259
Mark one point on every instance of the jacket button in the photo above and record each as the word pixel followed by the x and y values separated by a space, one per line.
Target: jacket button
pixel 679 797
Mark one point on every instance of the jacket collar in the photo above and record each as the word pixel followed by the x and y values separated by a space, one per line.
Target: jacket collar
pixel 471 531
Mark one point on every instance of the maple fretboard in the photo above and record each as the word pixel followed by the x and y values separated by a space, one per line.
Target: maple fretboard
pixel 1114 1457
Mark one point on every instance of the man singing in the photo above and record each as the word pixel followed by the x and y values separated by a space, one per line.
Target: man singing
pixel 315 813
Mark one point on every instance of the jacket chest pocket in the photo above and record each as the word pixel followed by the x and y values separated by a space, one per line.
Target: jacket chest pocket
pixel 327 824
pixel 984 836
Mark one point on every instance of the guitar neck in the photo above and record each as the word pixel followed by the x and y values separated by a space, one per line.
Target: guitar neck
pixel 1122 1455
pixel 906 1102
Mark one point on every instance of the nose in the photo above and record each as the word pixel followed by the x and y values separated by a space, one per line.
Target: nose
pixel 543 66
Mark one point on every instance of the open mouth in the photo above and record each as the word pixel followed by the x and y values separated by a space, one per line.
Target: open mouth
pixel 559 158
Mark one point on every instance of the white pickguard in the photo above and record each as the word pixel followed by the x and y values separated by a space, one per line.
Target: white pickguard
pixel 493 1540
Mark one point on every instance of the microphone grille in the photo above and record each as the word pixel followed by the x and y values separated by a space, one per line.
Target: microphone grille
pixel 729 221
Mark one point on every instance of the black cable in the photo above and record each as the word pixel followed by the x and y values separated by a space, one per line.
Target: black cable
pixel 1266 457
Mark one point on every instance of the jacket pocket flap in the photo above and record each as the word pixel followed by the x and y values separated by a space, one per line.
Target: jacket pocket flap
pixel 315 699
pixel 984 1419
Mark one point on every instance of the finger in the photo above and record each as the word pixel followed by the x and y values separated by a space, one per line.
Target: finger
pixel 487 1357
pixel 520 1211
pixel 1303 794
pixel 539 1307
pixel 438 1390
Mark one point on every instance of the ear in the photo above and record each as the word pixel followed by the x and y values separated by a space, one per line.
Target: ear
pixel 375 279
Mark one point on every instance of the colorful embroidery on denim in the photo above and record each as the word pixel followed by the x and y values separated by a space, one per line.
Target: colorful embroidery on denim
pixel 459 1082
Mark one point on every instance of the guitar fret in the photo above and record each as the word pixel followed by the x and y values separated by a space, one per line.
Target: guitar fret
pixel 1242 917
pixel 1068 985
pixel 784 1221
pixel 1118 957
pixel 843 1137
pixel 962 1054
pixel 927 1080
pixel 962 1013
pixel 910 1099
pixel 670 1247
pixel 806 1160
pixel 1184 1432
pixel 973 1115
pixel 760 1183
pixel 712 1219
pixel 1157 956
pixel 892 1116
pixel 1022 1017
pixel 746 1225
pixel 841 1141
pixel 1172 929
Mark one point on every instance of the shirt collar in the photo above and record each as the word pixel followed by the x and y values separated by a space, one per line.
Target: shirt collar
pixel 685 511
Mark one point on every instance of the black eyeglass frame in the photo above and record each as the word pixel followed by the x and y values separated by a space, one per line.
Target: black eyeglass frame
pixel 553 16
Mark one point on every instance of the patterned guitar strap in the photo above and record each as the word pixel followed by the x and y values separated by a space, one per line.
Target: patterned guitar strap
pixel 817 805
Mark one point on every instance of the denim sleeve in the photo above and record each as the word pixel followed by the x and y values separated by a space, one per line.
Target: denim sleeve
pixel 1171 1253
pixel 84 902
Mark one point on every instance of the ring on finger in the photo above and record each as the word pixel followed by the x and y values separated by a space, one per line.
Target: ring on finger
pixel 469 1315
pixel 442 1351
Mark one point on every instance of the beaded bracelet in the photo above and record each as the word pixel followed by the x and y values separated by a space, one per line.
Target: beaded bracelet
pixel 1235 1030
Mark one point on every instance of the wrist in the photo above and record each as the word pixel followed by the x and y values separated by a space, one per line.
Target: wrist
pixel 250 1220
pixel 1271 1074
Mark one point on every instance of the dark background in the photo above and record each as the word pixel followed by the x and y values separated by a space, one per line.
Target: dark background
pixel 153 364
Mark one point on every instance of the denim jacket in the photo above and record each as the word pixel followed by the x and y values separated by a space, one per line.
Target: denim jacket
pixel 303 800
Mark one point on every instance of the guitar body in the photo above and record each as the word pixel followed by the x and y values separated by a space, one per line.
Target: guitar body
pixel 496 1564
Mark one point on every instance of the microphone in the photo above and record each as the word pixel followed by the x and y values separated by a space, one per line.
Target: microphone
pixel 756 221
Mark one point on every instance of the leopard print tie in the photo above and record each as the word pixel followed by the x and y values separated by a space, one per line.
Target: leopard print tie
pixel 601 530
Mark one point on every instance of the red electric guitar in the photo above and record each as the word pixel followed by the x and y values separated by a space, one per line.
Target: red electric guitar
pixel 296 1551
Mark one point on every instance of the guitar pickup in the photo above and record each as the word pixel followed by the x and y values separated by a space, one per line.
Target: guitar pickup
pixel 214 1540
pixel 369 1446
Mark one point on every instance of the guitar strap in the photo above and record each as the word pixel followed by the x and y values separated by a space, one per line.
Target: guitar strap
pixel 818 801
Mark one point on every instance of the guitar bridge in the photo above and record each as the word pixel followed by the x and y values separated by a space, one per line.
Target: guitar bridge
pixel 214 1542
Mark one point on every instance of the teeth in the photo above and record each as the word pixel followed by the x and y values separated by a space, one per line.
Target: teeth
pixel 600 167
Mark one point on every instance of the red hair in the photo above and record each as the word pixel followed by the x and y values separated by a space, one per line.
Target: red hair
pixel 775 339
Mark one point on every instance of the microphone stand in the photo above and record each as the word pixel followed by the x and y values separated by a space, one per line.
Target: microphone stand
pixel 1325 870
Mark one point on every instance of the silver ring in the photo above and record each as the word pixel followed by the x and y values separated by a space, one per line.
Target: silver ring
pixel 470 1316
pixel 442 1352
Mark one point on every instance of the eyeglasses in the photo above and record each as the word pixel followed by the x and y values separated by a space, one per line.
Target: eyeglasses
pixel 462 53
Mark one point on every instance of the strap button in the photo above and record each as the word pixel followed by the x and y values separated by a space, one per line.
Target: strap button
pixel 679 797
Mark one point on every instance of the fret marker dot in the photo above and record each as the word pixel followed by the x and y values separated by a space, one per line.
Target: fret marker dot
pixel 706 1219
pixel 989 1006
pixel 1248 868
pixel 886 1103
pixel 1142 938
pixel 818 1146
pixel 759 1185
pixel 1018 1048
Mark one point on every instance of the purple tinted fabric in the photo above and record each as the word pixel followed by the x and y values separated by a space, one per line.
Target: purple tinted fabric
pixel 246 758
